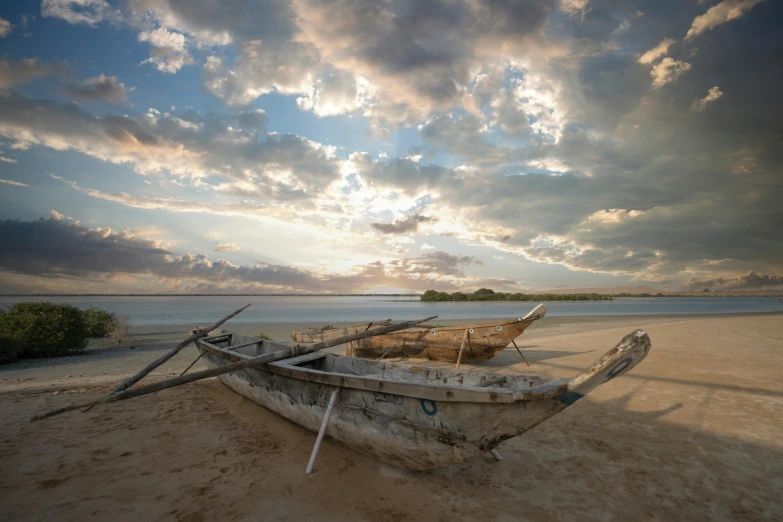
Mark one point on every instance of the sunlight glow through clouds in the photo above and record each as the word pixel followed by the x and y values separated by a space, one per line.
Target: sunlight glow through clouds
pixel 608 142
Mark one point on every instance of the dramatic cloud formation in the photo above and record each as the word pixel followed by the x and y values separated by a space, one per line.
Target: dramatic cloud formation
pixel 634 141
pixel 280 166
pixel 57 248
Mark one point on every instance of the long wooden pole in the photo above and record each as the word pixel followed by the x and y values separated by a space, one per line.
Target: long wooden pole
pixel 130 381
pixel 520 352
pixel 462 347
pixel 191 364
pixel 321 432
pixel 290 351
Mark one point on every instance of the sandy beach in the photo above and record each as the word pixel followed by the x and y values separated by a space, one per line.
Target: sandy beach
pixel 692 433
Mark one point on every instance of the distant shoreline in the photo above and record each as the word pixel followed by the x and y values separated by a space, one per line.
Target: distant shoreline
pixel 561 297
pixel 620 295
pixel 210 295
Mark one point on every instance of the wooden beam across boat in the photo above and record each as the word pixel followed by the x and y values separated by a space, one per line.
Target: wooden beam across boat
pixel 285 352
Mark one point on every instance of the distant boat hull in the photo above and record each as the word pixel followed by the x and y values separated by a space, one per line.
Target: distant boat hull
pixel 483 342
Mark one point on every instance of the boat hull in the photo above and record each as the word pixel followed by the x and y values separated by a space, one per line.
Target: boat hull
pixel 402 431
pixel 483 342
pixel 441 344
pixel 405 415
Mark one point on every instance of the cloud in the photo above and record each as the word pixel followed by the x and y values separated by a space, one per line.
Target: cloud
pixel 244 209
pixel 750 281
pixel 656 52
pixel 87 12
pixel 103 88
pixel 713 94
pixel 5 27
pixel 171 28
pixel 274 166
pixel 52 251
pixel 719 14
pixel 539 134
pixel 461 136
pixel 22 71
pixel 403 226
pixel 169 53
pixel 574 7
pixel 667 71
pixel 394 64
pixel 261 69
pixel 15 183
pixel 376 60
pixel 335 93
pixel 425 246
pixel 226 247
pixel 59 249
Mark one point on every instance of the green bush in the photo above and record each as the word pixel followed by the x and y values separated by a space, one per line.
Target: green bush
pixel 8 345
pixel 100 323
pixel 45 329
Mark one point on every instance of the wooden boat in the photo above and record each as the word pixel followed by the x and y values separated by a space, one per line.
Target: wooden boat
pixel 409 416
pixel 437 343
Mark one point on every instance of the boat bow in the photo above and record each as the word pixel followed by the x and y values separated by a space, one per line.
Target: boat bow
pixel 629 352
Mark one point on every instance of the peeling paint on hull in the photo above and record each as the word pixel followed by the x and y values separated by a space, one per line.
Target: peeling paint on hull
pixel 400 434
pixel 408 416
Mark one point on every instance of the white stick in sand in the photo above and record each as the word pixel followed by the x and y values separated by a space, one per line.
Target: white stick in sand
pixel 321 432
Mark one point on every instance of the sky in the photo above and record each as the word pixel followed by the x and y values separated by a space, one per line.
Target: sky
pixel 346 146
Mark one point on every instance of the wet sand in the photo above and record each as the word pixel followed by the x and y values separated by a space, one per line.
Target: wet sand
pixel 692 433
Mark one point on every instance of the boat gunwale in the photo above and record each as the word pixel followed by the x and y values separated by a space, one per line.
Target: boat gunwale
pixel 440 392
pixel 426 327
pixel 464 327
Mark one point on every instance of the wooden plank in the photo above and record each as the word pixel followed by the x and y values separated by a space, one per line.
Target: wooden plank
pixel 435 392
pixel 489 382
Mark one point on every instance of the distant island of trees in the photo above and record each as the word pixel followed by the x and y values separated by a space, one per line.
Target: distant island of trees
pixel 487 294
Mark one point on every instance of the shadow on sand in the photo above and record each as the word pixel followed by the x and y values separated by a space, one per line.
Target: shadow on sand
pixel 594 461
pixel 686 382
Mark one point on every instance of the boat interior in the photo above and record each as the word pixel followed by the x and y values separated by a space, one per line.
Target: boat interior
pixel 324 362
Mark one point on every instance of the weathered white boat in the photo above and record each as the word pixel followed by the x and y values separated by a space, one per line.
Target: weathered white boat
pixel 409 416
pixel 437 343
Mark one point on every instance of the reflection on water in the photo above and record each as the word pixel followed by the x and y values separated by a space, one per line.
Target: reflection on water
pixel 315 310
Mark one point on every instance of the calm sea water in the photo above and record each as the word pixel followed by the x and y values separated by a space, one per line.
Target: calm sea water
pixel 315 310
